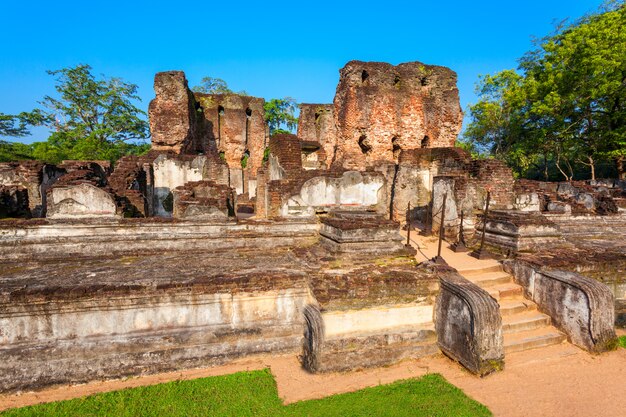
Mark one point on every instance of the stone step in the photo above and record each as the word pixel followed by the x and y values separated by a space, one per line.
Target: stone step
pixel 532 339
pixel 524 321
pixel 515 306
pixel 489 279
pixel 478 270
pixel 504 291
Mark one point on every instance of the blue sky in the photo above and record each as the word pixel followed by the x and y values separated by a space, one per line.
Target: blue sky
pixel 269 49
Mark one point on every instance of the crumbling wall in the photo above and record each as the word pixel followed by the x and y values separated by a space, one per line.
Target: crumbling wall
pixel 34 176
pixel 416 171
pixel 235 126
pixel 13 201
pixel 173 115
pixel 381 110
pixel 316 124
pixel 203 200
pixel 494 176
pixel 171 172
pixel 575 197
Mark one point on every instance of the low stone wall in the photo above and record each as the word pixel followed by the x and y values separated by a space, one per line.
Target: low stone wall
pixel 469 325
pixel 60 240
pixel 581 307
pixel 60 336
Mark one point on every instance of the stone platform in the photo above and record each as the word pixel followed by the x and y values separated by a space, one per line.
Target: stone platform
pixel 355 232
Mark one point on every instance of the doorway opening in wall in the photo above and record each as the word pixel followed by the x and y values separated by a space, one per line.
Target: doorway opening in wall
pixel 426 142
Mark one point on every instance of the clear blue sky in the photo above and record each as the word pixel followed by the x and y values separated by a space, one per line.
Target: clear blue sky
pixel 270 49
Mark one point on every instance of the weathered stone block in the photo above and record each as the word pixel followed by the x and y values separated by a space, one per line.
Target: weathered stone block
pixel 469 325
pixel 81 201
pixel 527 202
pixel 581 307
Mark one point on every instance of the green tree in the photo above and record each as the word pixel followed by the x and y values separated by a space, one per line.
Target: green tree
pixel 565 107
pixel 15 151
pixel 211 85
pixel 17 125
pixel 91 118
pixel 280 112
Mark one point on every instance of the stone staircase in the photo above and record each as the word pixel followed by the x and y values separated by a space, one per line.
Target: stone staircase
pixel 523 326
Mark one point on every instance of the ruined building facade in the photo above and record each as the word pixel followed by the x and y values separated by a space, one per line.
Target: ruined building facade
pixel 222 242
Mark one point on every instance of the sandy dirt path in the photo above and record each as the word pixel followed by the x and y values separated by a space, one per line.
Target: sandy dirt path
pixel 559 381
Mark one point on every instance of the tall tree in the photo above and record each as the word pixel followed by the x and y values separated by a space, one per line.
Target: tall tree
pixel 212 85
pixel 94 118
pixel 566 104
pixel 279 113
pixel 17 125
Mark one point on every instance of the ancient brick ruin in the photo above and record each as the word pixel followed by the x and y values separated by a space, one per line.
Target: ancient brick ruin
pixel 222 241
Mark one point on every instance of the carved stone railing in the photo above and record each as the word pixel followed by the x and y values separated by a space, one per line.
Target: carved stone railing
pixel 581 307
pixel 313 338
pixel 468 324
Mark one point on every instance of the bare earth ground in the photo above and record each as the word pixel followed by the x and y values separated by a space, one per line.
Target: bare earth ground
pixel 560 380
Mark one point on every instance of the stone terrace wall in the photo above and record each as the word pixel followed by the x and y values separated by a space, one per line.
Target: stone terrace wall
pixel 85 330
pixel 381 109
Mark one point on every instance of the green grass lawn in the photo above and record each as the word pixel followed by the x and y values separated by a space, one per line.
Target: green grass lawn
pixel 622 341
pixel 254 394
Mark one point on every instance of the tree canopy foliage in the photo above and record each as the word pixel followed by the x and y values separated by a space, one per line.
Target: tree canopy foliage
pixel 280 112
pixel 90 118
pixel 212 85
pixel 563 111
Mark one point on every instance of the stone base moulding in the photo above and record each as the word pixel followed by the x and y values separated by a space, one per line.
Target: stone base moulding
pixel 338 341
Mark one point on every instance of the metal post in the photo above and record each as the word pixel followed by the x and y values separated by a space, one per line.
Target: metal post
pixel 459 246
pixel 481 253
pixel 442 230
pixel 428 224
pixel 408 224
